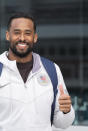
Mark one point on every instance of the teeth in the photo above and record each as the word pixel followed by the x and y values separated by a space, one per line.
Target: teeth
pixel 22 45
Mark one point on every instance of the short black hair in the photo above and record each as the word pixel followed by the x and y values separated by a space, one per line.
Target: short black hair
pixel 21 15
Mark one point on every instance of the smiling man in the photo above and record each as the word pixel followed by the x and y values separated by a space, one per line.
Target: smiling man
pixel 22 37
pixel 27 95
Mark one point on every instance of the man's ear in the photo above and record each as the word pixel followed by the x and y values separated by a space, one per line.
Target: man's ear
pixel 7 35
pixel 35 37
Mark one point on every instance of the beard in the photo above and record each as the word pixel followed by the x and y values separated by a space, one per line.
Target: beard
pixel 22 54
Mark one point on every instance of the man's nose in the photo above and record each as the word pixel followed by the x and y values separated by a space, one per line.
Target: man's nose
pixel 22 37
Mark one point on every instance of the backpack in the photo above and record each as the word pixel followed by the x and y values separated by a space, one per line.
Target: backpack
pixel 51 70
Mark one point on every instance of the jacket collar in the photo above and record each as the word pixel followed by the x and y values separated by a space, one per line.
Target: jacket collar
pixel 12 64
pixel 36 63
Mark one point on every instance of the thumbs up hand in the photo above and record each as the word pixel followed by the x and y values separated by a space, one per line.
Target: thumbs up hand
pixel 64 101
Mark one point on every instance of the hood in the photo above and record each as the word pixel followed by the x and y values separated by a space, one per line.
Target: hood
pixel 6 62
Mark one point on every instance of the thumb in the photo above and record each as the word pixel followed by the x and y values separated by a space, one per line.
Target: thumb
pixel 61 90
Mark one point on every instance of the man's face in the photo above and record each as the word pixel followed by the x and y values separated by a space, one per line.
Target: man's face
pixel 21 36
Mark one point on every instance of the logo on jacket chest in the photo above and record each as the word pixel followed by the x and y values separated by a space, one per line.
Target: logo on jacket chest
pixel 43 79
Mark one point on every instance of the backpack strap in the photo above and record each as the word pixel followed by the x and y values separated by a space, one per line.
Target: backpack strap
pixel 1 66
pixel 51 70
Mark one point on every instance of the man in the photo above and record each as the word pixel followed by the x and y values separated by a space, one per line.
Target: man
pixel 26 92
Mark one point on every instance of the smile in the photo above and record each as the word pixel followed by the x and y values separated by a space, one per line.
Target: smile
pixel 22 45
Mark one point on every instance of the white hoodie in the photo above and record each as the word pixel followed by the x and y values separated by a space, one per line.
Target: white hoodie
pixel 27 106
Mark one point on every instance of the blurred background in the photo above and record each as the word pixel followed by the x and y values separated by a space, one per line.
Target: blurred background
pixel 62 26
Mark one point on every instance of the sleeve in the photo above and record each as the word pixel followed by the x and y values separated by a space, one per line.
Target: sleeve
pixel 62 120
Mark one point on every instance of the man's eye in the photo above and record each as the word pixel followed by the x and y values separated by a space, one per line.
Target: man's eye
pixel 16 33
pixel 27 33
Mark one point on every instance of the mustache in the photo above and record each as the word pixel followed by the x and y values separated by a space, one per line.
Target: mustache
pixel 20 41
